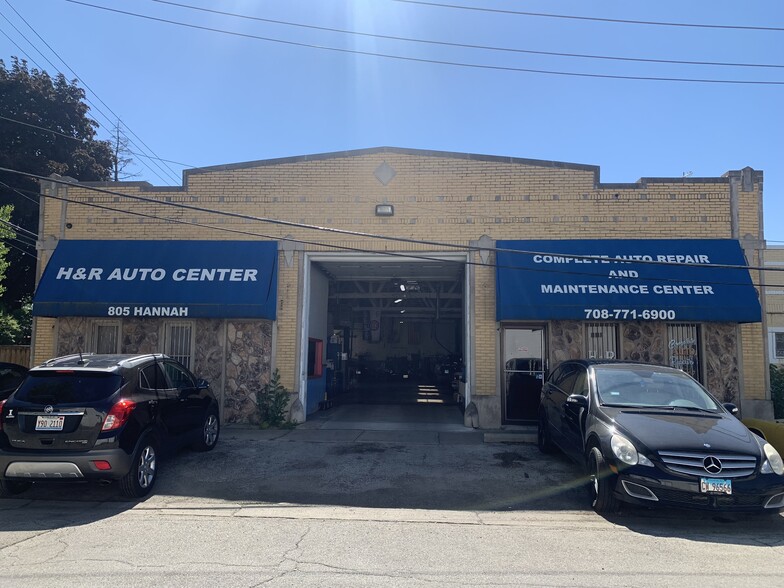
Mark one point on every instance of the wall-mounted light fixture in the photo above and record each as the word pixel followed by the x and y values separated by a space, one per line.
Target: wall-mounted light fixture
pixel 385 210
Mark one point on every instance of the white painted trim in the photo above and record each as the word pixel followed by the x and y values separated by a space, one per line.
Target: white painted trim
pixel 468 330
pixel 380 258
pixel 772 332
pixel 415 256
pixel 302 363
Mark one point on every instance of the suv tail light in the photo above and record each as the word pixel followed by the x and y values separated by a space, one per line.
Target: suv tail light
pixel 2 404
pixel 118 415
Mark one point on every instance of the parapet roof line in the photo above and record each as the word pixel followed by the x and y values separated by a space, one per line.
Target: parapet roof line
pixel 398 150
pixel 595 169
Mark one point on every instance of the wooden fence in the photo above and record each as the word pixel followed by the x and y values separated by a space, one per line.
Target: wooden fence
pixel 19 354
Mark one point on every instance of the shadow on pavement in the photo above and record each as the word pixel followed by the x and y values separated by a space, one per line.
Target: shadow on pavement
pixel 401 470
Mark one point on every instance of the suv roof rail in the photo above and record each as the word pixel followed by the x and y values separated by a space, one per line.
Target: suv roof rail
pixel 136 357
pixel 63 358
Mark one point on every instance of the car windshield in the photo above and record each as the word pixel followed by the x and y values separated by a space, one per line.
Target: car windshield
pixel 62 387
pixel 645 387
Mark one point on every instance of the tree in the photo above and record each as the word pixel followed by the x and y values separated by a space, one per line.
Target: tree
pixel 121 156
pixel 6 234
pixel 68 147
pixel 10 329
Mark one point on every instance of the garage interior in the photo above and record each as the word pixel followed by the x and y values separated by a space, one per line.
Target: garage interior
pixel 395 335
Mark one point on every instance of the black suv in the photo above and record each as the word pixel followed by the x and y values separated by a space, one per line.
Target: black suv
pixel 102 417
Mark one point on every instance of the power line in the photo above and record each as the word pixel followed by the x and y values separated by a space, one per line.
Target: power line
pixel 22 195
pixel 592 18
pixel 23 239
pixel 18 229
pixel 18 47
pixel 22 251
pixel 13 120
pixel 88 87
pixel 464 45
pixel 433 61
pixel 359 234
pixel 171 172
pixel 420 257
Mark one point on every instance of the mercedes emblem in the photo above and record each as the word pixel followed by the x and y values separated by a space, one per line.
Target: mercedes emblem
pixel 711 464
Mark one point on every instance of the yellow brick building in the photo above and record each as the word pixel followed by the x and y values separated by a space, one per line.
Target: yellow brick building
pixel 774 302
pixel 356 231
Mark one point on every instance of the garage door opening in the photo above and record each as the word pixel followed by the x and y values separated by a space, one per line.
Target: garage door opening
pixel 393 330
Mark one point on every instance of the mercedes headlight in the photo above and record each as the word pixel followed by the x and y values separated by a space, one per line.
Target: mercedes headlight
pixel 625 451
pixel 773 464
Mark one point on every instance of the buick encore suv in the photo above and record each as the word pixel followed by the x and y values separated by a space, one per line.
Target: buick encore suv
pixel 102 417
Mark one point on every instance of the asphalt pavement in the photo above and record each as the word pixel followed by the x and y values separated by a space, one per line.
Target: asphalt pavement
pixel 326 506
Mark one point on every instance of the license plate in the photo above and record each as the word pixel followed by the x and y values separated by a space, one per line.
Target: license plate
pixel 715 486
pixel 49 423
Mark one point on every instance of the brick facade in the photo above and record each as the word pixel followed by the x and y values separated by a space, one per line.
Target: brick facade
pixel 443 197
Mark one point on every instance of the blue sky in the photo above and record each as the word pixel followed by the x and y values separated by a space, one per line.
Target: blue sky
pixel 204 98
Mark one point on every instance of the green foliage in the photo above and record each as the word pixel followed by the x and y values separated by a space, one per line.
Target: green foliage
pixel 6 233
pixel 25 317
pixel 273 402
pixel 777 390
pixel 34 98
pixel 10 329
pixel 16 324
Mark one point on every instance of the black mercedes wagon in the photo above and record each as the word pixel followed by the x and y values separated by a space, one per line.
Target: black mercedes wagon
pixel 652 435
pixel 102 417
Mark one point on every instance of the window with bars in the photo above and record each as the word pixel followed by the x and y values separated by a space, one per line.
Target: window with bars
pixel 601 340
pixel 178 342
pixel 683 348
pixel 106 337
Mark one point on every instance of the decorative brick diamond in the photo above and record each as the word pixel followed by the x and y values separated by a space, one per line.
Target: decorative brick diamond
pixel 384 173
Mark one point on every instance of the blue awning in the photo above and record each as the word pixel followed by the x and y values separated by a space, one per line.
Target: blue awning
pixel 137 279
pixel 653 279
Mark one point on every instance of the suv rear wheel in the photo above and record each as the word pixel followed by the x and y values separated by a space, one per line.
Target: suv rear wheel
pixel 138 482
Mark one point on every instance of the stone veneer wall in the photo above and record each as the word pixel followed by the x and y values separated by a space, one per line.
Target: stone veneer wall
pixel 208 362
pixel 644 342
pixel 72 333
pixel 566 341
pixel 647 342
pixel 235 357
pixel 141 336
pixel 722 370
pixel 248 368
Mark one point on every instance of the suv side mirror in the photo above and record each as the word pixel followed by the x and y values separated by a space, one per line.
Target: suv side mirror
pixel 733 410
pixel 202 384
